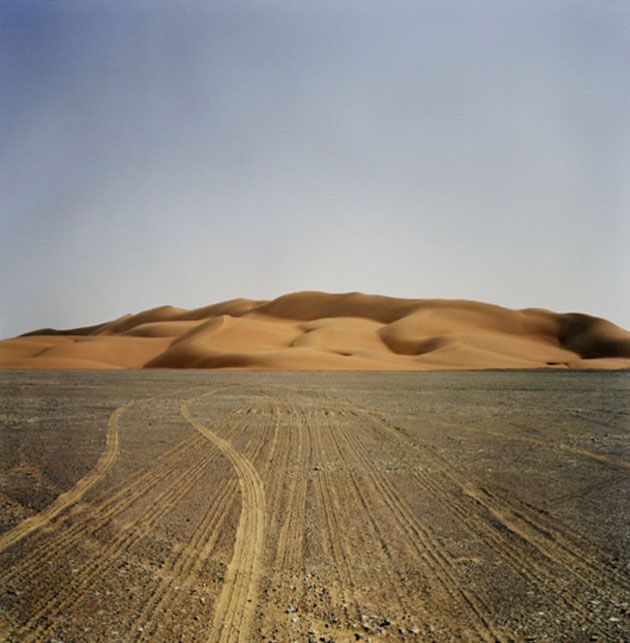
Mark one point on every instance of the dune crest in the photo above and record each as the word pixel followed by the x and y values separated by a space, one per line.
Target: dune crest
pixel 322 331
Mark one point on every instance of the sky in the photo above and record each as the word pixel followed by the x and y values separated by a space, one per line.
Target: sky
pixel 191 152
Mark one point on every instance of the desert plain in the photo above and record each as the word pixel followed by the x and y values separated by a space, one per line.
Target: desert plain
pixel 317 467
pixel 197 505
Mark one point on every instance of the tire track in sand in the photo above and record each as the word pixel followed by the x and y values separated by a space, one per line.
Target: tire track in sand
pixel 355 492
pixel 602 458
pixel 184 568
pixel 477 522
pixel 73 495
pixel 157 502
pixel 418 536
pixel 83 515
pixel 55 604
pixel 86 519
pixel 235 607
pixel 535 551
pixel 539 532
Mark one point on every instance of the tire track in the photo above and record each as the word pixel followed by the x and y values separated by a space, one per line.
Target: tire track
pixel 73 533
pixel 273 445
pixel 341 562
pixel 519 519
pixel 536 552
pixel 236 604
pixel 53 611
pixel 73 495
pixel 284 516
pixel 420 539
pixel 506 546
pixel 260 439
pixel 558 446
pixel 88 520
pixel 176 485
pixel 371 533
pixel 184 567
pixel 289 547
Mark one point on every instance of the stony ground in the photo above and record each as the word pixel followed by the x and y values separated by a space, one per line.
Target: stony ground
pixel 188 505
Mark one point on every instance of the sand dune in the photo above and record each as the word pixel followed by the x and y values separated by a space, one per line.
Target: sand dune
pixel 320 331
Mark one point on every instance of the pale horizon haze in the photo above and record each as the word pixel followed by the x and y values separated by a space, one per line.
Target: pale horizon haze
pixel 187 153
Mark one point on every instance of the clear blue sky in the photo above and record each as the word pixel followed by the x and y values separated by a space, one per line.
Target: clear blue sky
pixel 188 152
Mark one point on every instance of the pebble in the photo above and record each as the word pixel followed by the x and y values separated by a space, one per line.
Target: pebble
pixel 291 609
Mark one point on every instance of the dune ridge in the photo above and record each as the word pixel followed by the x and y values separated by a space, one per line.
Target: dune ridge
pixel 321 331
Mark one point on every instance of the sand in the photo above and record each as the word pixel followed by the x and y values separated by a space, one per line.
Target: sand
pixel 321 331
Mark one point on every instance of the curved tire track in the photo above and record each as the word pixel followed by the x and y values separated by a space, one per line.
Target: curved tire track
pixel 185 567
pixel 53 608
pixel 88 519
pixel 73 495
pixel 234 610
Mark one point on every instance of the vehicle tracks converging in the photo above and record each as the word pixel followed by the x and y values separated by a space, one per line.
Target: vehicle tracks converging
pixel 85 520
pixel 127 516
pixel 460 496
pixel 67 499
pixel 183 569
pixel 156 506
pixel 275 511
pixel 82 520
pixel 366 495
pixel 236 604
pixel 289 546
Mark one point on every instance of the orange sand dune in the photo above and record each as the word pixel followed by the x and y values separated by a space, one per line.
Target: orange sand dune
pixel 320 331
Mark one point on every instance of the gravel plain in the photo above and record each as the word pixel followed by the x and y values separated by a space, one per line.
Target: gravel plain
pixel 274 506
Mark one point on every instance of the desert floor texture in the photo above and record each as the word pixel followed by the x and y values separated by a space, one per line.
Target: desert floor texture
pixel 241 506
